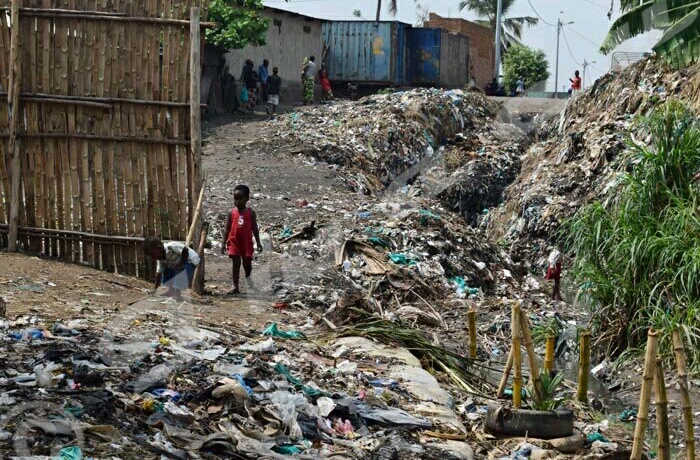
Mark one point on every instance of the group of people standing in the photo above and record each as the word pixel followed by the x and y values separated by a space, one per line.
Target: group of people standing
pixel 268 91
pixel 308 81
pixel 262 87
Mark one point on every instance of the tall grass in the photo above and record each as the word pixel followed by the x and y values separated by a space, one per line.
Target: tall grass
pixel 637 255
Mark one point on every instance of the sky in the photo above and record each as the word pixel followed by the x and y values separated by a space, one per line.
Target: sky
pixel 578 42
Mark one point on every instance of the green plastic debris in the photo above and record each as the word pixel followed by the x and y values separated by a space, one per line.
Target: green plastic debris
pixel 378 241
pixel 462 287
pixel 597 436
pixel 286 232
pixel 287 449
pixel 426 213
pixel 73 411
pixel 401 259
pixel 273 331
pixel 70 453
pixel 298 384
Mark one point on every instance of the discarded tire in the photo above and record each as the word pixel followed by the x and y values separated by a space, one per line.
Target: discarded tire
pixel 534 424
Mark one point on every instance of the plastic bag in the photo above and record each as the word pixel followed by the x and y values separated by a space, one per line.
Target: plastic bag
pixel 287 405
pixel 244 94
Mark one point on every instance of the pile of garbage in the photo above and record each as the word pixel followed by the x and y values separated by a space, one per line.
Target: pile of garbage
pixel 580 161
pixel 155 383
pixel 377 139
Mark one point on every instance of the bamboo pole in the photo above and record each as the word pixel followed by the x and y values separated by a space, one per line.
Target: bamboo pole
pixel 195 217
pixel 685 396
pixel 14 84
pixel 506 374
pixel 52 13
pixel 549 355
pixel 195 111
pixel 97 137
pixel 101 100
pixel 643 412
pixel 661 412
pixel 198 279
pixel 472 333
pixel 532 357
pixel 517 359
pixel 584 365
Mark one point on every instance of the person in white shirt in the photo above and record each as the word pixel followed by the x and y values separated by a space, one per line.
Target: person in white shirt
pixel 175 263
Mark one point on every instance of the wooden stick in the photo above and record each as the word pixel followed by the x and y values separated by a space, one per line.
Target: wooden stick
pixel 195 218
pixel 100 16
pixel 195 111
pixel 517 360
pixel 584 365
pixel 93 137
pixel 506 374
pixel 198 280
pixel 532 358
pixel 14 82
pixel 472 333
pixel 661 412
pixel 103 100
pixel 685 396
pixel 643 413
pixel 44 232
pixel 549 355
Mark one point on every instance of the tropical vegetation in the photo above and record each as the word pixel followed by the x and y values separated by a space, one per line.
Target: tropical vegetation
pixel 511 28
pixel 238 23
pixel 638 253
pixel 678 19
pixel 521 61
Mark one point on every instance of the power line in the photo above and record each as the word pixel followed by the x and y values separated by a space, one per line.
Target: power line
pixel 597 45
pixel 538 15
pixel 569 47
pixel 597 4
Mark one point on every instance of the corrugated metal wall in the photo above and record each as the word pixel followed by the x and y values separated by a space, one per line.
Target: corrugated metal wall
pixel 362 51
pixel 425 56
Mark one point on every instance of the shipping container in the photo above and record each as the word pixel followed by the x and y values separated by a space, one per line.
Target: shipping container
pixel 438 58
pixel 366 52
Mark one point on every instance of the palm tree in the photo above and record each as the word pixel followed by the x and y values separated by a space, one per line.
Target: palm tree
pixel 679 19
pixel 393 8
pixel 511 29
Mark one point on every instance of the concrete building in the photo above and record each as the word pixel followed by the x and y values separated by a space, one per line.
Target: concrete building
pixel 482 52
pixel 290 38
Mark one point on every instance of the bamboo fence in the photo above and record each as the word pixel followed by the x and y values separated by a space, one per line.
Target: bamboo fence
pixel 95 98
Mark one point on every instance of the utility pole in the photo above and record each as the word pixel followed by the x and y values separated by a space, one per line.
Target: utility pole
pixel 585 66
pixel 556 71
pixel 499 13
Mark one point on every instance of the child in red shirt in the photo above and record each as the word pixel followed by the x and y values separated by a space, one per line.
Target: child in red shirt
pixel 241 227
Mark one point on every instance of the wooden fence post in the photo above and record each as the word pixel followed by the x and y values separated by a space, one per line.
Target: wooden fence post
pixel 549 355
pixel 643 412
pixel 661 411
pixel 584 366
pixel 14 88
pixel 472 333
pixel 517 358
pixel 531 357
pixel 685 396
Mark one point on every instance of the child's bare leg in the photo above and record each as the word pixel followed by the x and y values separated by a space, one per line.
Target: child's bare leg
pixel 235 272
pixel 248 269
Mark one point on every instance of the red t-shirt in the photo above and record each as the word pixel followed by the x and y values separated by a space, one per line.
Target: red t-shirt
pixel 240 237
pixel 577 83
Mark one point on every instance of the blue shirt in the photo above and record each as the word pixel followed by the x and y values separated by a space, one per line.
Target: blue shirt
pixel 263 73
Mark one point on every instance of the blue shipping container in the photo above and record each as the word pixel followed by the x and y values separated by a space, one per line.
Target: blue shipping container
pixel 425 46
pixel 366 51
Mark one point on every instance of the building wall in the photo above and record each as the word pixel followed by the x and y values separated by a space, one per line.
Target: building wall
pixel 290 39
pixel 482 59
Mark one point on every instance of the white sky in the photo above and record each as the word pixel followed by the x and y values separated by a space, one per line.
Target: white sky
pixel 590 26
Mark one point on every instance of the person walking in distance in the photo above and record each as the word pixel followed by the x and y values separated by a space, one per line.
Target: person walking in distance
pixel 554 272
pixel 264 75
pixel 241 227
pixel 274 84
pixel 308 75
